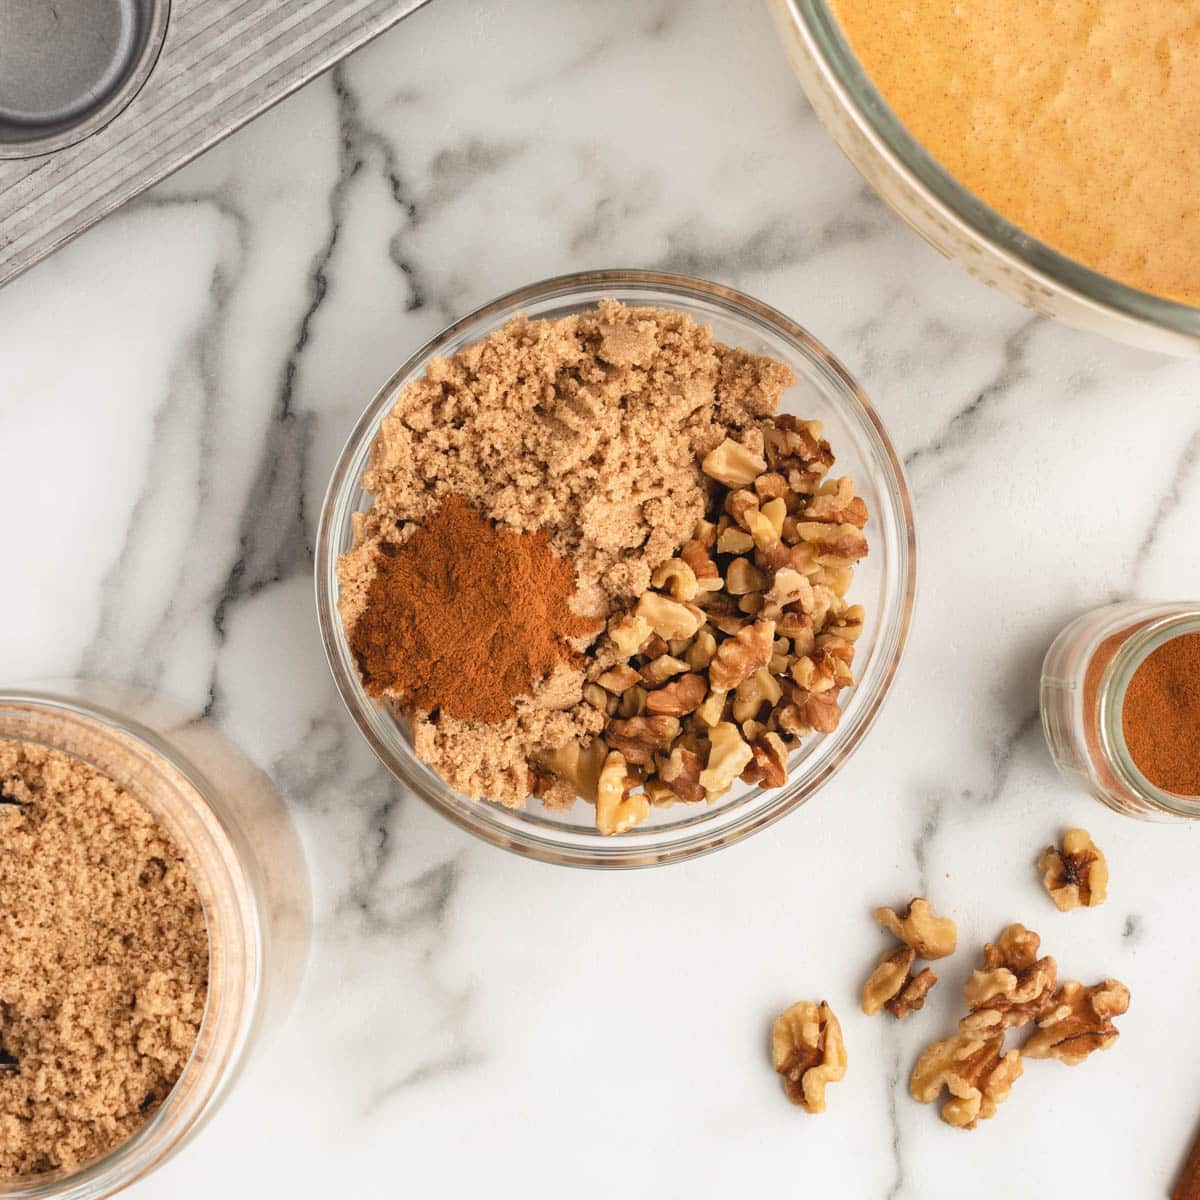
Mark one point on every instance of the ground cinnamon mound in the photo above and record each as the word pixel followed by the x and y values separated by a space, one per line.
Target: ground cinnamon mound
pixel 464 618
pixel 589 430
pixel 103 962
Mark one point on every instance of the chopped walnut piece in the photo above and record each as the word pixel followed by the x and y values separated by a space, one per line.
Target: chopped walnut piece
pixel 658 670
pixel 1079 1021
pixel 709 713
pixel 678 578
pixel 681 773
pixel 742 576
pixel 771 485
pixel 695 554
pixel 734 541
pixel 973 1071
pixel 931 937
pixel 668 618
pixel 597 697
pixel 619 679
pixel 888 978
pixel 740 656
pixel 790 587
pixel 1076 876
pixel 740 505
pixel 617 810
pixel 836 503
pixel 733 464
pixel 727 757
pixel 700 652
pixel 679 698
pixel 808 1051
pixel 640 738
pixel 770 759
pixel 811 712
pixel 762 688
pixel 659 794
pixel 629 632
pixel 1013 988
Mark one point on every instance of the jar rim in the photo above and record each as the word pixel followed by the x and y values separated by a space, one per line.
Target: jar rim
pixel 1114 684
pixel 161 779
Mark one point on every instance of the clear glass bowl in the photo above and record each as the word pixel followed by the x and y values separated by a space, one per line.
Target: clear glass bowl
pixel 246 864
pixel 952 219
pixel 884 582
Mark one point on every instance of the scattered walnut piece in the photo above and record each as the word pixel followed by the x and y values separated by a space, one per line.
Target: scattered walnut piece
pixel 911 997
pixel 931 937
pixel 1076 876
pixel 1014 987
pixel 888 979
pixel 973 1069
pixel 808 1051
pixel 1079 1021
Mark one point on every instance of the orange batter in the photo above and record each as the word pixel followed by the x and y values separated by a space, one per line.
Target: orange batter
pixel 1078 120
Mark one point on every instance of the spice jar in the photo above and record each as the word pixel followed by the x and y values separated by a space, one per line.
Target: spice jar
pixel 245 861
pixel 1120 700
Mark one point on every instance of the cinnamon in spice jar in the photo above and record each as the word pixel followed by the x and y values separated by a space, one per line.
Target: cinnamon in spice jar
pixel 465 617
pixel 1160 717
pixel 1120 700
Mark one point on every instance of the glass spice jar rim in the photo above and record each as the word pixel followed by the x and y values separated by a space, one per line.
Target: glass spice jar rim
pixel 1114 684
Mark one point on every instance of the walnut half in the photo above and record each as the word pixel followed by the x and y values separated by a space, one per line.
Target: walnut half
pixel 1014 986
pixel 1079 1022
pixel 1077 875
pixel 808 1051
pixel 974 1071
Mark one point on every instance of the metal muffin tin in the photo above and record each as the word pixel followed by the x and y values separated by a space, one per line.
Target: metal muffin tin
pixel 99 99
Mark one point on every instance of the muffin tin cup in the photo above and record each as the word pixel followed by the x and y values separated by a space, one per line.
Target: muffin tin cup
pixel 885 582
pixel 68 68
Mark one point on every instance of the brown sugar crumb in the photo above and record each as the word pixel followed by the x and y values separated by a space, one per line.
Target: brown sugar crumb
pixel 104 954
pixel 590 429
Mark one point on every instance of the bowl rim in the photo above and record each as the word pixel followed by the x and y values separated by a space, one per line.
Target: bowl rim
pixel 344 479
pixel 823 40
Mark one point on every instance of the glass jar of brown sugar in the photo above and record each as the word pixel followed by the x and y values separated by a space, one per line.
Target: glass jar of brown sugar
pixel 1120 699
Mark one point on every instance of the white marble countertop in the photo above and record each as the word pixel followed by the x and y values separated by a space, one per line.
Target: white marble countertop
pixel 174 388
